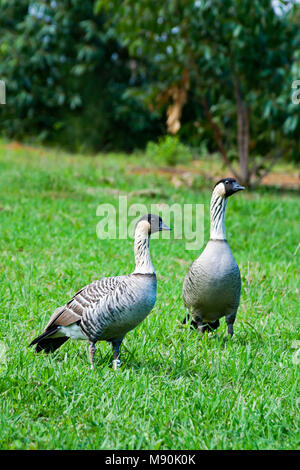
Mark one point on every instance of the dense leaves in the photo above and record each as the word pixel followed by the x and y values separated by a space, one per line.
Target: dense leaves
pixel 67 77
pixel 239 57
pixel 106 73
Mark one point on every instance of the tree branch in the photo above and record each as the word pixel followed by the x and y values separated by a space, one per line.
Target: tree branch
pixel 242 131
pixel 278 154
pixel 215 128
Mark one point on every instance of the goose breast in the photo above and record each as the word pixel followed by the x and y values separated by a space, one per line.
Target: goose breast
pixel 213 284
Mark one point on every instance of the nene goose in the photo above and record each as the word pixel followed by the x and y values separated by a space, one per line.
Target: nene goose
pixel 212 287
pixel 107 309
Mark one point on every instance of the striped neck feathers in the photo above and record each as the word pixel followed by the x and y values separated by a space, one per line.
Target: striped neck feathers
pixel 217 215
pixel 143 263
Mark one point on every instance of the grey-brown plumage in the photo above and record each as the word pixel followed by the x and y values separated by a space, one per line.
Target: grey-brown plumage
pixel 212 286
pixel 107 309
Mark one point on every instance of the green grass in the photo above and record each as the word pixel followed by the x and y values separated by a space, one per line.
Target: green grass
pixel 174 390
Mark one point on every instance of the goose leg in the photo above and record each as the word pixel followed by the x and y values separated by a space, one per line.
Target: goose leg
pixel 196 320
pixel 116 353
pixel 187 317
pixel 200 326
pixel 209 326
pixel 197 323
pixel 230 319
pixel 213 325
pixel 193 322
pixel 92 350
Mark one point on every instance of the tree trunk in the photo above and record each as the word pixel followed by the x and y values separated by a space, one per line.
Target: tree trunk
pixel 243 135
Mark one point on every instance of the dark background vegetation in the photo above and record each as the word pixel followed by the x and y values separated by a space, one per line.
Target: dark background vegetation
pixel 153 101
pixel 109 75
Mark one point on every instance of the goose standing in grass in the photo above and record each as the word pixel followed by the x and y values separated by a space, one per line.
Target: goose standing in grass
pixel 212 287
pixel 107 309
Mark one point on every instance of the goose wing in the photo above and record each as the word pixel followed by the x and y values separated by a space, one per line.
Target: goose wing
pixel 84 299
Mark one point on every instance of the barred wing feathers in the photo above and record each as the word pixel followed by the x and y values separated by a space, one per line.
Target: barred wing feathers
pixel 84 299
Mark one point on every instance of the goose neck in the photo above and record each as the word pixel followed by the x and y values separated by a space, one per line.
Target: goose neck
pixel 217 217
pixel 143 263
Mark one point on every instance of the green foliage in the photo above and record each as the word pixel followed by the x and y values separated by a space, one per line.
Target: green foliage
pixel 97 74
pixel 67 77
pixel 174 390
pixel 229 47
pixel 168 151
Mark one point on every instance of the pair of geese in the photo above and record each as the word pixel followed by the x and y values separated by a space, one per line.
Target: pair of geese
pixel 107 309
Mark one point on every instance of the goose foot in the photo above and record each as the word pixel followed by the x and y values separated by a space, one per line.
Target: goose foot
pixel 200 327
pixel 116 364
pixel 209 326
pixel 116 353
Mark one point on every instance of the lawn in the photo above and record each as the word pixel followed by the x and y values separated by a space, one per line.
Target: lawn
pixel 175 390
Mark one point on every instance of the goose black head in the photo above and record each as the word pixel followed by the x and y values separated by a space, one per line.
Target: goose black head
pixel 227 187
pixel 152 223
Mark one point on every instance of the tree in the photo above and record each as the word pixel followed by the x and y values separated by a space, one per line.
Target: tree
pixel 67 77
pixel 234 56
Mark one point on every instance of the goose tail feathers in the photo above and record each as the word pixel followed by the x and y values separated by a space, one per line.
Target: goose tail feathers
pixel 48 342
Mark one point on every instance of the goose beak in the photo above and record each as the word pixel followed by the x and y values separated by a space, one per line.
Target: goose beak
pixel 237 187
pixel 164 227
